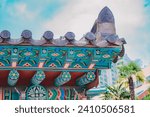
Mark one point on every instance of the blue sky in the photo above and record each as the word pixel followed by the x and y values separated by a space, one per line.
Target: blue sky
pixel 132 19
pixel 17 15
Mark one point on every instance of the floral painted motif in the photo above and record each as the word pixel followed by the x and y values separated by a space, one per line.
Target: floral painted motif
pixel 90 75
pixel 106 56
pixel 55 54
pixel 13 74
pixel 71 52
pixel 1 53
pixel 5 53
pixel 13 77
pixel 81 55
pixel 28 54
pixel 36 92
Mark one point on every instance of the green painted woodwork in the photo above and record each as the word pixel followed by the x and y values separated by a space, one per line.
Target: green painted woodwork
pixel 54 58
pixel 63 78
pixel 62 94
pixel 14 55
pixel 28 57
pixel 4 63
pixel 13 77
pixel 53 93
pixel 85 79
pixel 36 92
pixel 7 94
pixel 27 63
pixel 96 50
pixel 15 95
pixel 38 77
pixel 53 63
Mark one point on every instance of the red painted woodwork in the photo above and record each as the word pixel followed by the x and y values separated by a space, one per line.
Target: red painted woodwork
pixel 1 93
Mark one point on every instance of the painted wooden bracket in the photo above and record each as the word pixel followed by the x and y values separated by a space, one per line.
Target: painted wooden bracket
pixel 63 78
pixel 38 77
pixel 85 79
pixel 13 77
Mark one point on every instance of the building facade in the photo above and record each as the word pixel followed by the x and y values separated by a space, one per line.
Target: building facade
pixel 109 77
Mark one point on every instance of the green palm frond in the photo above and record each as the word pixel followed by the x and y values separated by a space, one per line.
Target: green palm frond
pixel 140 76
pixel 124 82
pixel 148 90
pixel 116 92
pixel 126 75
pixel 130 69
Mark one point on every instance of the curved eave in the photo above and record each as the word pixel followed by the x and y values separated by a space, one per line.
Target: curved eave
pixel 110 45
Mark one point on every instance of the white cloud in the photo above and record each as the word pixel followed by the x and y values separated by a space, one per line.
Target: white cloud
pixel 21 11
pixel 22 8
pixel 79 16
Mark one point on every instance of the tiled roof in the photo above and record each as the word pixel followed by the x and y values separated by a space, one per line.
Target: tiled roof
pixel 103 34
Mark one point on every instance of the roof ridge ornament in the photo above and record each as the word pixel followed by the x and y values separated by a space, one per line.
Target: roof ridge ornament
pixel 106 16
pixel 105 31
pixel 102 34
pixel 105 23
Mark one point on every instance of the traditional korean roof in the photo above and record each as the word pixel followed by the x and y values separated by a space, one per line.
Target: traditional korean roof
pixel 68 39
pixel 62 60
pixel 105 38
